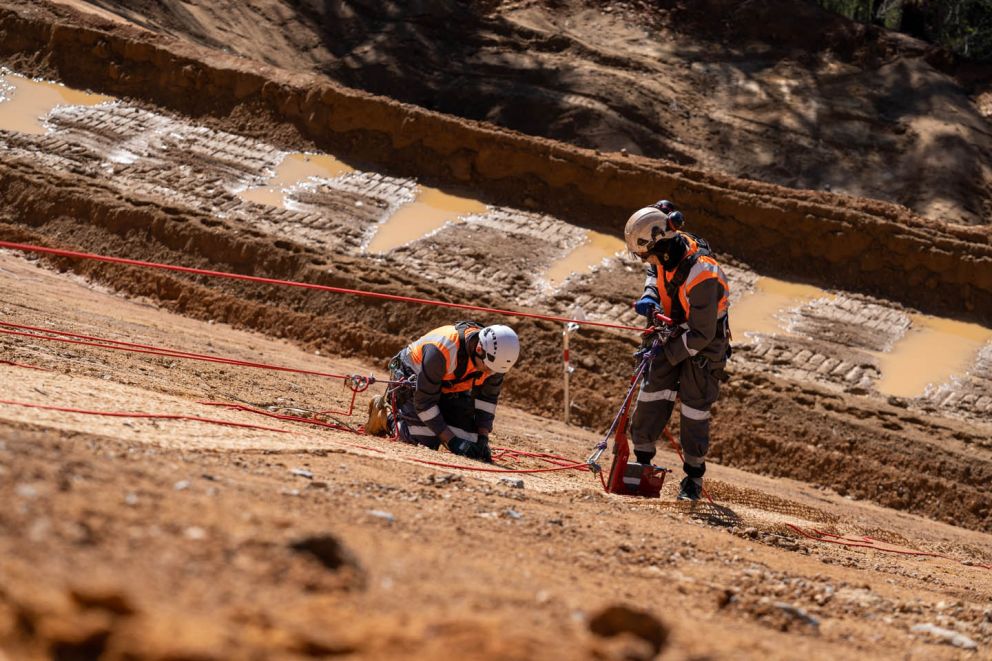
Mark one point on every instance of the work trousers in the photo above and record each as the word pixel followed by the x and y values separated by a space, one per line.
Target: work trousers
pixel 697 387
pixel 457 410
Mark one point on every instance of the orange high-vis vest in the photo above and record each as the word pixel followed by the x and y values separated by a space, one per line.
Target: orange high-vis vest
pixel 450 342
pixel 703 267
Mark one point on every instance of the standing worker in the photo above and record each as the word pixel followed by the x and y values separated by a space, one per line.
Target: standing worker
pixel 458 372
pixel 685 283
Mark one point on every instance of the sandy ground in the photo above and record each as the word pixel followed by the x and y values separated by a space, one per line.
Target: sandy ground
pixel 209 532
pixel 123 534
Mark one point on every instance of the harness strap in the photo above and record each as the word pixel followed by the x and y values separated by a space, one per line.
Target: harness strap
pixel 462 360
pixel 681 273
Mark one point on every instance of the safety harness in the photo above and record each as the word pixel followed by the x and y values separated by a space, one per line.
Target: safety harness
pixel 462 359
pixel 678 313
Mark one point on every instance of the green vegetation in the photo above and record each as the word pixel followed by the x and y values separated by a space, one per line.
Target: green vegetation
pixel 962 26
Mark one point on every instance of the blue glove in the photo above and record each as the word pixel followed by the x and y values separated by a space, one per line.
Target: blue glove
pixel 646 306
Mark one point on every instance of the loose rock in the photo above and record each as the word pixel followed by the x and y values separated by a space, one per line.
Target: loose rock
pixel 946 636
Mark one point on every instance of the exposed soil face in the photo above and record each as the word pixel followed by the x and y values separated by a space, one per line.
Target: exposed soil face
pixel 782 92
pixel 199 540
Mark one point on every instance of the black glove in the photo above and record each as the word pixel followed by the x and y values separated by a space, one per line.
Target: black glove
pixel 478 450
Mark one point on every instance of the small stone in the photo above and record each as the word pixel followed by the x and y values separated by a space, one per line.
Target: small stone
pixel 181 485
pixel 317 486
pixel 512 513
pixel 514 482
pixel 798 613
pixel 195 533
pixel 26 490
pixel 131 499
pixel 946 636
pixel 381 514
pixel 302 472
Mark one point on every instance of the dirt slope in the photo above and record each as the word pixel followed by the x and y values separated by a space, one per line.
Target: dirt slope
pixel 783 92
pixel 163 538
pixel 170 210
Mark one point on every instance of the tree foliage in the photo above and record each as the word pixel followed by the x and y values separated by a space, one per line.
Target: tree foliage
pixel 962 26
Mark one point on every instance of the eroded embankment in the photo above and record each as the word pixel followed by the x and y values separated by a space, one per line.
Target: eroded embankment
pixel 865 246
pixel 763 424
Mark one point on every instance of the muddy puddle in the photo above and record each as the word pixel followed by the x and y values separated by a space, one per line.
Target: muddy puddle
pixel 929 352
pixel 430 211
pixel 24 102
pixel 592 251
pixel 932 352
pixel 765 309
pixel 295 170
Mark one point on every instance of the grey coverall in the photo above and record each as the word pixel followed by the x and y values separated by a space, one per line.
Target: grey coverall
pixel 688 364
pixel 468 414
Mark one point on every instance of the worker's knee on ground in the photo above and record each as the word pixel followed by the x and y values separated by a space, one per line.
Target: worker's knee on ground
pixel 458 410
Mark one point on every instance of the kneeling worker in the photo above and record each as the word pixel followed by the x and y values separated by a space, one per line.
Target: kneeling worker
pixel 458 373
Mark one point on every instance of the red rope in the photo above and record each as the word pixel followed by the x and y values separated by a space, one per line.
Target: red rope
pixel 117 345
pixel 869 543
pixel 155 416
pixel 306 285
pixel 24 365
pixel 482 469
pixel 537 455
pixel 280 416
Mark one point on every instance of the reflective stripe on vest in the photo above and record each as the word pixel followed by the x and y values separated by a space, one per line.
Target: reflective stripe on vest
pixel 704 268
pixel 445 339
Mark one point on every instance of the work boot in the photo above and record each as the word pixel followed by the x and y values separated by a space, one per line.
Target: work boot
pixel 691 489
pixel 378 422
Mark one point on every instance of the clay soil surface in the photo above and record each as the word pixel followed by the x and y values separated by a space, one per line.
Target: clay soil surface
pixel 180 529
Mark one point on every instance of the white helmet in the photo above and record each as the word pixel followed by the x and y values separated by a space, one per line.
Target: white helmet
pixel 500 348
pixel 645 228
